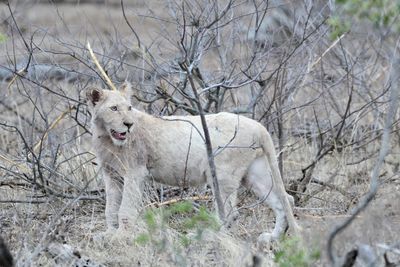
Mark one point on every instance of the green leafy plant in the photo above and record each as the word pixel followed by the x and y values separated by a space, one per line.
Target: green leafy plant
pixel 3 37
pixel 292 254
pixel 180 216
pixel 382 13
pixel 338 27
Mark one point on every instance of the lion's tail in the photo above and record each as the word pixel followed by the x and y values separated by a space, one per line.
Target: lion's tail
pixel 269 150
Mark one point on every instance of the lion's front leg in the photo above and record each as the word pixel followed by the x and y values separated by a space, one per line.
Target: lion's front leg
pixel 132 200
pixel 114 188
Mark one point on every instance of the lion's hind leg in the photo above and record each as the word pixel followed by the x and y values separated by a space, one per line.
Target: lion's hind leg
pixel 259 180
pixel 229 183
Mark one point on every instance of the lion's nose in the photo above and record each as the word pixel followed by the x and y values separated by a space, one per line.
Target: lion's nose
pixel 128 124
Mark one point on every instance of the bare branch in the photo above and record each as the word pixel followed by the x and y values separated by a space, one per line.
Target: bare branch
pixel 385 147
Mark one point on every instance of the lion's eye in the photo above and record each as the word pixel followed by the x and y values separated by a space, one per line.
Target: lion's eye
pixel 130 108
pixel 114 108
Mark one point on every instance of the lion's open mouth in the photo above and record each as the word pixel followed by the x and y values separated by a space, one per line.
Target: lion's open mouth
pixel 117 135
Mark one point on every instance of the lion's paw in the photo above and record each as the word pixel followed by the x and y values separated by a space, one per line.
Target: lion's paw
pixel 101 239
pixel 113 237
pixel 120 237
pixel 266 240
pixel 192 236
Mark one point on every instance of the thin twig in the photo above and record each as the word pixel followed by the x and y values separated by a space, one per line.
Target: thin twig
pixel 384 150
pixel 20 166
pixel 327 50
pixel 29 201
pixel 129 24
pixel 176 200
pixel 54 124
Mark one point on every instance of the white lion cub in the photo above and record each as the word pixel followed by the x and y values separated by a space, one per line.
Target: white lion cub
pixel 132 146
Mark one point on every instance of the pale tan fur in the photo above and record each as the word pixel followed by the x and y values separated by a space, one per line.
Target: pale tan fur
pixel 171 150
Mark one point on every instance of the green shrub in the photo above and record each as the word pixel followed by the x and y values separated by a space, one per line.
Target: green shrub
pixel 180 216
pixel 3 37
pixel 292 253
pixel 382 14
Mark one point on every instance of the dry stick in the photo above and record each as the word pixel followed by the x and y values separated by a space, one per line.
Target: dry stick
pixel 28 201
pixel 43 242
pixel 54 124
pixel 176 200
pixel 384 150
pixel 307 171
pixel 210 155
pixel 331 186
pixel 103 73
pixel 28 48
pixel 20 166
pixel 20 116
pixel 326 51
pixel 129 24
pixel 16 75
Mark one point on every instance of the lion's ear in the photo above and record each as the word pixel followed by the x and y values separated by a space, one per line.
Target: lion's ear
pixel 94 96
pixel 127 90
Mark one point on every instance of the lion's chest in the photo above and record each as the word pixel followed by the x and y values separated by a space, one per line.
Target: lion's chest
pixel 122 160
pixel 119 163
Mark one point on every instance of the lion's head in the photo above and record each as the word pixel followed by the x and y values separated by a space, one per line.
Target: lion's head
pixel 112 113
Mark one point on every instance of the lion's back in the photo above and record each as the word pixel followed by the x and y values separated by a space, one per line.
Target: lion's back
pixel 178 144
pixel 222 121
